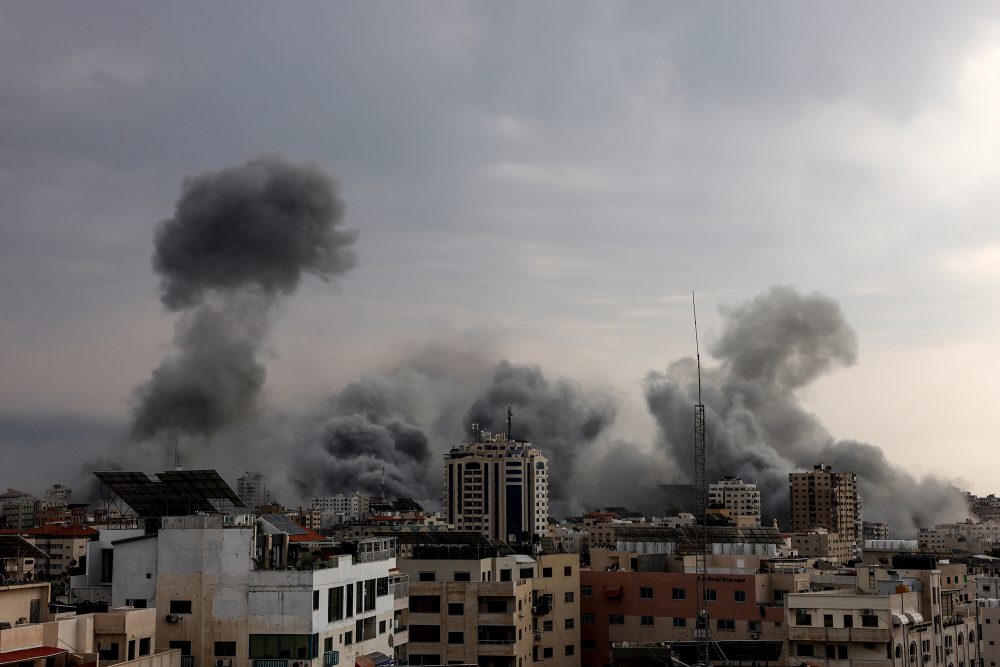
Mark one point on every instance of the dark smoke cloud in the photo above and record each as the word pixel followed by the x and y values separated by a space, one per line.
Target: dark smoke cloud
pixel 772 346
pixel 262 223
pixel 560 417
pixel 240 238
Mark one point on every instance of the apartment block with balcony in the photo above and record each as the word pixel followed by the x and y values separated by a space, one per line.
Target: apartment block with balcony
pixel 238 591
pixel 822 498
pixel 741 500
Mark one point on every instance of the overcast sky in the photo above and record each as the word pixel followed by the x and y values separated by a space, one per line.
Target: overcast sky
pixel 554 178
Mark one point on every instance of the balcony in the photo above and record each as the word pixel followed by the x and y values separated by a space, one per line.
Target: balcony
pixel 497 647
pixel 838 635
pixel 331 658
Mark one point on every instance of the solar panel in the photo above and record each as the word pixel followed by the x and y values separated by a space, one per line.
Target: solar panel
pixel 284 524
pixel 15 546
pixel 172 493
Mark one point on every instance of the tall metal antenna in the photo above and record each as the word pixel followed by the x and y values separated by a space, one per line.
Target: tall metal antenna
pixel 702 628
pixel 510 419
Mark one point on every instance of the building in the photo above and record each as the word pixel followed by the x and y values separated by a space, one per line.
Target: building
pixel 242 588
pixel 907 615
pixel 341 508
pixel 32 636
pixel 17 510
pixel 970 536
pixel 58 495
pixel 821 543
pixel 741 499
pixel 66 546
pixel 644 589
pixel 252 490
pixel 874 530
pixel 497 486
pixel 474 601
pixel 822 498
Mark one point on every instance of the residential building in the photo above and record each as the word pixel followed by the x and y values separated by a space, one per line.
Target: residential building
pixel 31 636
pixel 874 530
pixel 645 588
pixel 822 543
pixel 341 508
pixel 252 490
pixel 58 495
pixel 497 486
pixel 741 499
pixel 970 536
pixel 241 588
pixel 66 546
pixel 17 510
pixel 473 600
pixel 822 498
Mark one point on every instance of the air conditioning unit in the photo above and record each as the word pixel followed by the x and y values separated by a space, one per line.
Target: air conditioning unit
pixel 867 612
pixel 949 650
pixel 538 636
pixel 223 662
pixel 754 635
pixel 927 657
pixel 534 610
pixel 173 618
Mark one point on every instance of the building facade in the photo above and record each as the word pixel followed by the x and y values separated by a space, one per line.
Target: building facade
pixel 741 499
pixel 498 487
pixel 822 498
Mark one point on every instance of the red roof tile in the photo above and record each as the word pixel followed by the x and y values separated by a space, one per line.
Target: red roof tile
pixel 53 530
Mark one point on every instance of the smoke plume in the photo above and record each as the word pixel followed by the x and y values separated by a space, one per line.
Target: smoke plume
pixel 771 347
pixel 240 238
pixel 560 417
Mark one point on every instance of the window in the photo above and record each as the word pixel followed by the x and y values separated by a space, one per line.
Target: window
pixel 616 619
pixel 827 620
pixel 297 647
pixel 710 594
pixel 180 606
pixel 144 646
pixel 646 592
pixel 425 604
pixel 678 594
pixel 224 649
pixel 347 638
pixel 335 604
pixel 570 649
pixel 383 586
pixel 568 624
pixel 753 626
pixel 646 621
pixel 848 621
pixel 568 572
pixel 869 621
pixel 740 596
pixel 842 652
pixel 464 576
pixel 381 627
pixel 547 626
pixel 547 572
pixel 588 617
pixel 456 637
pixel 315 600
pixel 425 633
pixel 568 597
pixel 588 644
pixel 349 601
pixel 802 618
pixel 456 609
pixel 504 575
pixel 328 644
pixel 527 573
pixel 725 624
pixel 425 576
pixel 369 595
pixel 680 622
pixel 587 591
pixel 805 650
pixel 547 653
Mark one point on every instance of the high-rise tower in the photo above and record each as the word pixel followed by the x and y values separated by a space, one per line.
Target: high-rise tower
pixel 822 498
pixel 498 486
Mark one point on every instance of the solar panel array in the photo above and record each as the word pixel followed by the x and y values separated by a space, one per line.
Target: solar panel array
pixel 171 493
pixel 284 524
pixel 15 546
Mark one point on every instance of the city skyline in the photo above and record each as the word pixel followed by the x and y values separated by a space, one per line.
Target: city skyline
pixel 516 198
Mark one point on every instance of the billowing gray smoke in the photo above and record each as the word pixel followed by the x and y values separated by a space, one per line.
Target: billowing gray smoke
pixel 771 347
pixel 560 417
pixel 240 238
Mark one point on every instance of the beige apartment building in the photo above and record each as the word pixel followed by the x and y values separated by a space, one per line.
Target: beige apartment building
pixel 822 498
pixel 822 543
pixel 741 500
pixel 478 603
pixel 497 486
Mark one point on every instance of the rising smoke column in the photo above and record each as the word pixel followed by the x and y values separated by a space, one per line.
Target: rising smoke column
pixel 771 347
pixel 240 239
pixel 559 417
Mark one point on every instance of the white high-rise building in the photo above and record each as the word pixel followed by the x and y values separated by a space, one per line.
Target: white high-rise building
pixel 742 499
pixel 497 486
pixel 342 507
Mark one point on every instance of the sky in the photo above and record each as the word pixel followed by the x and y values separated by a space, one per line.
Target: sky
pixel 550 181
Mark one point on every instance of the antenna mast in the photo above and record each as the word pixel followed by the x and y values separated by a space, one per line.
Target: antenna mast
pixel 702 629
pixel 510 418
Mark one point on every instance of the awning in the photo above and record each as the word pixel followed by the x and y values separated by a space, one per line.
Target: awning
pixel 612 591
pixel 900 619
pixel 380 659
pixel 14 657
pixel 915 617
